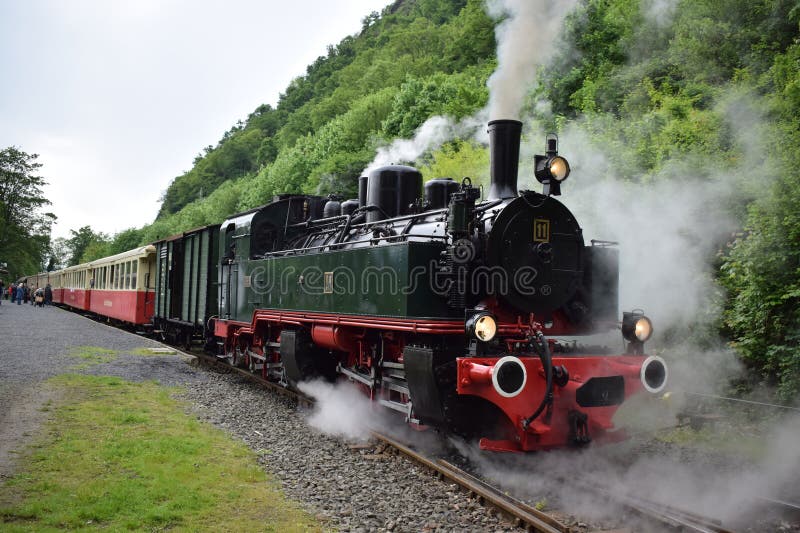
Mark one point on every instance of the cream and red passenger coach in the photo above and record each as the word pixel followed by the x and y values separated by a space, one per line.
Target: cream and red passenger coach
pixel 75 287
pixel 120 286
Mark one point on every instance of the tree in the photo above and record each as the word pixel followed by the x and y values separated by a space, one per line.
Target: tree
pixel 59 254
pixel 24 229
pixel 85 240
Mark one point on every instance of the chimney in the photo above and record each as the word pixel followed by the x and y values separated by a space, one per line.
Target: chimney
pixel 504 136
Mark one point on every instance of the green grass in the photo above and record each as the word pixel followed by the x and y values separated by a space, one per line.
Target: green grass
pixel 149 352
pixel 124 456
pixel 91 355
pixel 723 440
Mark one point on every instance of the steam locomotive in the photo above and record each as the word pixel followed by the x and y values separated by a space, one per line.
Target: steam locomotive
pixel 441 306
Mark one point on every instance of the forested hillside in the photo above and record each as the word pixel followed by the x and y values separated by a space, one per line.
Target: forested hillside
pixel 694 93
pixel 418 58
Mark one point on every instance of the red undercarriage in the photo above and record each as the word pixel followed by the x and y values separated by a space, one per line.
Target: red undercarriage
pixel 555 427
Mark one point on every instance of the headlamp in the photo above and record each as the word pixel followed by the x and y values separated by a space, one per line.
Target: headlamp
pixel 636 327
pixel 551 169
pixel 483 326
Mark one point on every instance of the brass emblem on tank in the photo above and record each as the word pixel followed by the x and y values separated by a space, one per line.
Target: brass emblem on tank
pixel 541 230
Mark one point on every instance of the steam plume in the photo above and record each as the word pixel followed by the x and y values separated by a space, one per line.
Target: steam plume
pixel 340 409
pixel 524 41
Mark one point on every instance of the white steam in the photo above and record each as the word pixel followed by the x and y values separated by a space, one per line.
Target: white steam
pixel 724 487
pixel 433 133
pixel 660 12
pixel 525 40
pixel 341 409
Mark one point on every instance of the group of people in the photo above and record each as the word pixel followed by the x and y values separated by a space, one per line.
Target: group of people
pixel 21 293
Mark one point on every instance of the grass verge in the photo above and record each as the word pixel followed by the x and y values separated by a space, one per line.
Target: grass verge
pixel 118 455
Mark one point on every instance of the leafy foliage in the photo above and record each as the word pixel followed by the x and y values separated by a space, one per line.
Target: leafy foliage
pixel 651 87
pixel 762 267
pixel 24 229
pixel 287 148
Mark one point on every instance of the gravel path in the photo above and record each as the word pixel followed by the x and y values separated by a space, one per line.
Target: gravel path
pixel 39 343
pixel 350 488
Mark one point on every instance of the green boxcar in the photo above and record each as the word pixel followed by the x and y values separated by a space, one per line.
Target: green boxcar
pixel 186 283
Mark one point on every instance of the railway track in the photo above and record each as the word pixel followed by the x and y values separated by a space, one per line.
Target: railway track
pixel 665 514
pixel 526 516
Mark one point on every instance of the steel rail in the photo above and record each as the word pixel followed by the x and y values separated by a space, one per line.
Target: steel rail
pixel 532 519
pixel 667 514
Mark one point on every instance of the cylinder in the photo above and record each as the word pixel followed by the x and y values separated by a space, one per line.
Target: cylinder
pixel 504 137
pixel 349 206
pixel 333 208
pixel 393 190
pixel 334 337
pixel 438 192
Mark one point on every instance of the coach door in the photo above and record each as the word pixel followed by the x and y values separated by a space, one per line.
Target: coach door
pixel 176 278
pixel 229 271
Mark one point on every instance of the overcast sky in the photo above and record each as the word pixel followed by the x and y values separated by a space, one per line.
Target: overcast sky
pixel 118 97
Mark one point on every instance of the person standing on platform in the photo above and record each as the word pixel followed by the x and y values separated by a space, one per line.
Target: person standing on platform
pixel 48 295
pixel 20 293
pixel 2 291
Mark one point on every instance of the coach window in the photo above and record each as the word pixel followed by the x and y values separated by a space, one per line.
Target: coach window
pixel 127 275
pixel 135 267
